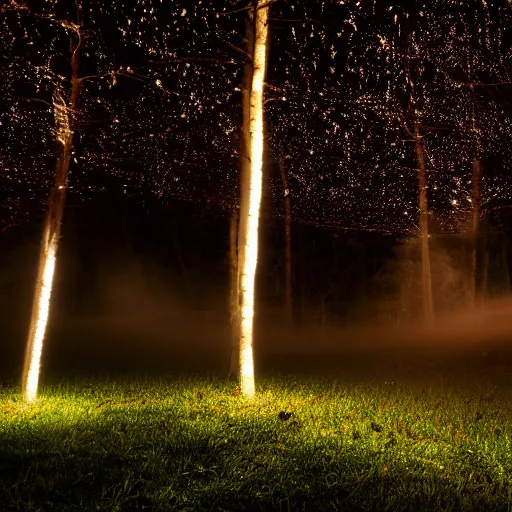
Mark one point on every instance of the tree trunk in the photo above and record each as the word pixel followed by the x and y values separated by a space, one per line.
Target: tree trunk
pixel 245 174
pixel 288 304
pixel 478 272
pixel 233 295
pixel 426 276
pixel 476 275
pixel 251 196
pixel 63 114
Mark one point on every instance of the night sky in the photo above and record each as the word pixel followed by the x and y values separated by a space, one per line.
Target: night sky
pixel 346 80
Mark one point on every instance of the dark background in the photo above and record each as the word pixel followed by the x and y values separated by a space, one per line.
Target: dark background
pixel 143 271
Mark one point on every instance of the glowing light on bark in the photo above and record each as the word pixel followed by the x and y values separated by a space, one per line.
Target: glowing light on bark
pixel 48 254
pixel 40 313
pixel 51 235
pixel 251 243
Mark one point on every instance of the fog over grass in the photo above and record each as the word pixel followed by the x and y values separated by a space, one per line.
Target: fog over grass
pixel 163 307
pixel 142 322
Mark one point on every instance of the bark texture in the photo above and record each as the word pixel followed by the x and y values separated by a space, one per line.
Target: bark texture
pixel 245 174
pixel 248 251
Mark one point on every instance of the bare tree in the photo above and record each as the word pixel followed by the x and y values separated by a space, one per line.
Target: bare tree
pixel 64 111
pixel 251 190
pixel 238 245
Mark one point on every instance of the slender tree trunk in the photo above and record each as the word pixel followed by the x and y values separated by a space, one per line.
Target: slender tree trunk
pixel 303 278
pixel 478 267
pixel 476 275
pixel 288 297
pixel 477 271
pixel 248 256
pixel 233 295
pixel 245 184
pixel 426 275
pixel 53 223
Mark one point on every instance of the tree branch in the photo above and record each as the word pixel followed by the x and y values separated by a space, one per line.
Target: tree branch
pixel 267 4
pixel 37 100
pixel 241 51
pixel 198 60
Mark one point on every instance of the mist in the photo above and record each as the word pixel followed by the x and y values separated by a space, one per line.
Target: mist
pixel 146 293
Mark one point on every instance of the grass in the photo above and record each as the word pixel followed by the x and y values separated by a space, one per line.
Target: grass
pixel 191 444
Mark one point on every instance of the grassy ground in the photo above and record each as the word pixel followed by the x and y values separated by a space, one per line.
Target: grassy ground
pixel 304 444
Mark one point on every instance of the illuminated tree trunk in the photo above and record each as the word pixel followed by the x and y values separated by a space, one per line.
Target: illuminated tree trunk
pixel 251 200
pixel 245 174
pixel 426 275
pixel 52 228
pixel 288 304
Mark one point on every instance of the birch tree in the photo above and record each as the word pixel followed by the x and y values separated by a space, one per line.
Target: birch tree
pixel 51 34
pixel 250 192
pixel 238 245
pixel 64 109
